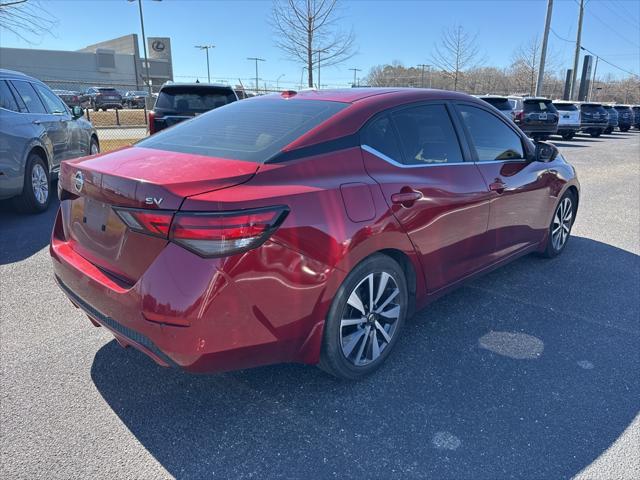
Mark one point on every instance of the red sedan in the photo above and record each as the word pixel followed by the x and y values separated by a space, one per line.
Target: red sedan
pixel 303 227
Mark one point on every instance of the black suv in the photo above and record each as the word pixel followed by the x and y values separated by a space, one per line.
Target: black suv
pixel 594 119
pixel 625 117
pixel 613 118
pixel 537 117
pixel 181 101
pixel 103 98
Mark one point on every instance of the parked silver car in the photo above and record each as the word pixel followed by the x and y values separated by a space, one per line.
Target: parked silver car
pixel 37 132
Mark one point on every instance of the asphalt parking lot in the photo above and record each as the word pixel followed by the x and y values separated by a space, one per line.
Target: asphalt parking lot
pixel 529 372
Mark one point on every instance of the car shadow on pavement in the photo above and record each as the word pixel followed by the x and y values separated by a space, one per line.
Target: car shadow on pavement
pixel 564 144
pixel 23 234
pixel 528 372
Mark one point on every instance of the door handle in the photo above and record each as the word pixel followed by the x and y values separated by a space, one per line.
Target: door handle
pixel 406 197
pixel 497 186
pixel 36 122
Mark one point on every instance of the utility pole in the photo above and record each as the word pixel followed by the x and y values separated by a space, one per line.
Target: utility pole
pixel 278 81
pixel 207 47
pixel 355 71
pixel 595 69
pixel 543 53
pixel 144 45
pixel 256 59
pixel 423 66
pixel 576 58
pixel 318 69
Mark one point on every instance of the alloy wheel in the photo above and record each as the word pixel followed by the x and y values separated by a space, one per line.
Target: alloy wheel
pixel 561 225
pixel 370 318
pixel 40 184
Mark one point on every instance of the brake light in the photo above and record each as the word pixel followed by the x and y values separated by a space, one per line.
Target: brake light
pixel 152 123
pixel 519 116
pixel 225 233
pixel 149 222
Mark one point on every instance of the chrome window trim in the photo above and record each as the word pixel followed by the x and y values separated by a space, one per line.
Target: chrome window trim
pixel 393 162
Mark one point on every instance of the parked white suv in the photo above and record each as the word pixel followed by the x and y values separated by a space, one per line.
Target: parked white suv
pixel 569 121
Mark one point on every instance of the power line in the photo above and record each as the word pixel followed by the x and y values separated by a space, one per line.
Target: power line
pixel 614 30
pixel 627 12
pixel 617 14
pixel 609 63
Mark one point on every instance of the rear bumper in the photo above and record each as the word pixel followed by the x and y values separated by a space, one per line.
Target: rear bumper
pixel 568 128
pixel 205 315
pixel 539 129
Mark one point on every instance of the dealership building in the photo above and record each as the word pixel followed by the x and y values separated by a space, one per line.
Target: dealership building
pixel 114 63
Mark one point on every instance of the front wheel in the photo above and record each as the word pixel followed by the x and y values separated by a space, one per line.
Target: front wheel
pixel 595 134
pixel 365 318
pixel 561 224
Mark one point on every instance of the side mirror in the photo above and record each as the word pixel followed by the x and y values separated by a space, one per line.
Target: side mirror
pixel 546 152
pixel 77 112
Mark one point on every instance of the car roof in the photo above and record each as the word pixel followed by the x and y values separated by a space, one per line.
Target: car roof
pixel 381 94
pixel 4 73
pixel 198 85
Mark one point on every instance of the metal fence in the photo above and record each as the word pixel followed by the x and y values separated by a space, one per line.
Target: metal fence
pixel 119 122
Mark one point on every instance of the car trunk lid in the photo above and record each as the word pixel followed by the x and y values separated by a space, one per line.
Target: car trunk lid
pixel 134 178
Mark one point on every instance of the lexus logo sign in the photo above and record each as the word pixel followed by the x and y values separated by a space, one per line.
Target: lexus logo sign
pixel 158 45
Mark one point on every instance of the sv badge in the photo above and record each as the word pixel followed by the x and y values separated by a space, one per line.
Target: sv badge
pixel 153 201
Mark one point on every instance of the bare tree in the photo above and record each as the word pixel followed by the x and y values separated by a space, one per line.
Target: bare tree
pixel 525 63
pixel 457 51
pixel 307 32
pixel 25 19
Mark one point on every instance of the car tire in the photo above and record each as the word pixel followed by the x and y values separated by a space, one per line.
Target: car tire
pixel 95 108
pixel 560 228
pixel 104 109
pixel 624 129
pixel 358 338
pixel 568 136
pixel 94 146
pixel 36 191
pixel 595 134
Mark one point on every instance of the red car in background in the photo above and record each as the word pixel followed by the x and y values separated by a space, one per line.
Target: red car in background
pixel 303 227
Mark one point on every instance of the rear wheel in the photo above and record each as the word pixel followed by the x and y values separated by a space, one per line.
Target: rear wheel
pixel 35 192
pixel 595 133
pixel 94 148
pixel 568 135
pixel 365 318
pixel 624 129
pixel 104 109
pixel 560 228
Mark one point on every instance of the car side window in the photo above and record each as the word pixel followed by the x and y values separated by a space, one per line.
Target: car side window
pixel 50 99
pixel 492 138
pixel 427 135
pixel 380 135
pixel 6 98
pixel 29 96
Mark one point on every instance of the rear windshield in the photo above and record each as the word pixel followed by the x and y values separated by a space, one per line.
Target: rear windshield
pixel 252 130
pixel 108 90
pixel 538 106
pixel 188 99
pixel 622 109
pixel 593 108
pixel 566 107
pixel 499 103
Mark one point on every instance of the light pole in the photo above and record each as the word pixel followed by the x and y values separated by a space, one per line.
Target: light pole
pixel 144 44
pixel 256 59
pixel 302 77
pixel 355 71
pixel 278 81
pixel 207 47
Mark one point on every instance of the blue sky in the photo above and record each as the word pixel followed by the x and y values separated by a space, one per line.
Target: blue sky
pixel 385 31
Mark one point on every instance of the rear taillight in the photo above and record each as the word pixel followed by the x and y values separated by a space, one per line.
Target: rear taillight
pixel 149 222
pixel 208 234
pixel 225 233
pixel 152 122
pixel 519 116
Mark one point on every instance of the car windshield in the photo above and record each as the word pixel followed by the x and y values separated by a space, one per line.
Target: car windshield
pixel 566 107
pixel 499 103
pixel 539 106
pixel 189 99
pixel 252 130
pixel 108 90
pixel 593 108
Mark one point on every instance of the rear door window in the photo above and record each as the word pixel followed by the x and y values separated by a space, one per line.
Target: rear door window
pixel 252 130
pixel 427 135
pixel 6 98
pixel 492 138
pixel 29 96
pixel 189 100
pixel 381 136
